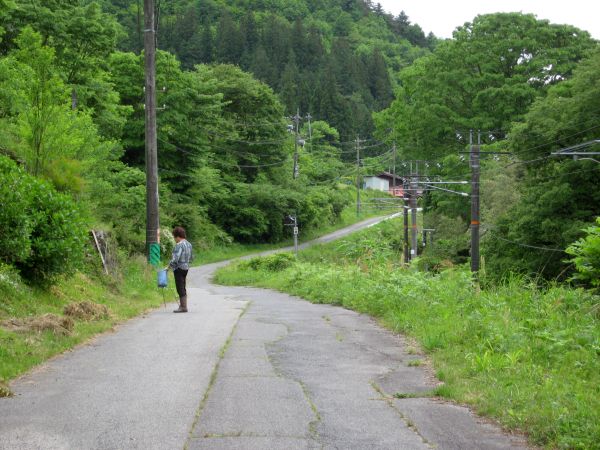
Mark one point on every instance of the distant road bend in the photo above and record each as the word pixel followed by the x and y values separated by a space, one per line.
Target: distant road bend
pixel 245 369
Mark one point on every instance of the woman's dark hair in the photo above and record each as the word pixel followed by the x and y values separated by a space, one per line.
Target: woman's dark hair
pixel 179 232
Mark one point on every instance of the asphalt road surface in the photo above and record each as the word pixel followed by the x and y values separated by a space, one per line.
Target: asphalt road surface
pixel 244 369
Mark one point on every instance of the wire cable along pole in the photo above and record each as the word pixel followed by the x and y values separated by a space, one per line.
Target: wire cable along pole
pixel 475 170
pixel 152 216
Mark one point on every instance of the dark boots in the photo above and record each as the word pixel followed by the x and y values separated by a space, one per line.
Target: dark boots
pixel 182 305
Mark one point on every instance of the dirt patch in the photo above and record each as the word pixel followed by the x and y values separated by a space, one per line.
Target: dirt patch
pixel 5 390
pixel 59 325
pixel 87 311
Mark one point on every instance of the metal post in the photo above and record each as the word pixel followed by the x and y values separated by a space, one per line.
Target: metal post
pixel 296 235
pixel 309 118
pixel 413 210
pixel 475 169
pixel 394 171
pixel 152 216
pixel 357 176
pixel 406 209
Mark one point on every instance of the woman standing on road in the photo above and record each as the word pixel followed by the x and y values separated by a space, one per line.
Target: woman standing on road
pixel 180 263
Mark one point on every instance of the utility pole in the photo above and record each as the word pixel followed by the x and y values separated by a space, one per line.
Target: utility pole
pixel 296 119
pixel 357 176
pixel 413 210
pixel 406 209
pixel 152 216
pixel 475 170
pixel 309 118
pixel 394 171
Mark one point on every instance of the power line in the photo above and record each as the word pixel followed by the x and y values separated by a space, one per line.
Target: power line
pixel 556 140
pixel 548 249
pixel 566 173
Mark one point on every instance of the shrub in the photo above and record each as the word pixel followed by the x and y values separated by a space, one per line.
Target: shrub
pixel 15 222
pixel 586 256
pixel 41 231
pixel 272 263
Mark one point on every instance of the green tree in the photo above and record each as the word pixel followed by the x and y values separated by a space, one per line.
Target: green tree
pixel 559 196
pixel 39 125
pixel 486 77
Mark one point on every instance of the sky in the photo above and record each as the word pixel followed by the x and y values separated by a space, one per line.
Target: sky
pixel 443 16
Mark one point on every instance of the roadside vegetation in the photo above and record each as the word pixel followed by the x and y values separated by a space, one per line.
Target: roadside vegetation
pixel 37 323
pixel 347 217
pixel 524 353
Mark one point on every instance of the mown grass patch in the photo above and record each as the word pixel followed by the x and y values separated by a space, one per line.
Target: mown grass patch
pixel 528 356
pixel 38 323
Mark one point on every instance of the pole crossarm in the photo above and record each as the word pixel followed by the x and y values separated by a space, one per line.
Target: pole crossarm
pixel 464 194
pixel 571 151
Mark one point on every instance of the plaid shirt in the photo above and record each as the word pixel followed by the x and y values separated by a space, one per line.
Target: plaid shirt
pixel 182 256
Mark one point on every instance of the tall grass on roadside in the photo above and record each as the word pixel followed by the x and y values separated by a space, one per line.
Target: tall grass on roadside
pixel 23 347
pixel 529 357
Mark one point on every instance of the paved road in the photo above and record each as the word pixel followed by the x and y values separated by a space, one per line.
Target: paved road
pixel 245 369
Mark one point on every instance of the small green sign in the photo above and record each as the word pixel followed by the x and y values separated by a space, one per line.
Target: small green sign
pixel 154 254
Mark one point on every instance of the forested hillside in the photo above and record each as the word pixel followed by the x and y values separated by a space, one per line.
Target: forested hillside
pixel 72 117
pixel 335 60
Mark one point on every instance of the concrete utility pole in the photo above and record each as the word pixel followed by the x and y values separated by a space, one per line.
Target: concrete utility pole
pixel 394 170
pixel 406 209
pixel 357 176
pixel 475 170
pixel 413 210
pixel 152 216
pixel 296 119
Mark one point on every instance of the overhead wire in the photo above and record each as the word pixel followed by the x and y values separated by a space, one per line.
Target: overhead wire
pixel 548 249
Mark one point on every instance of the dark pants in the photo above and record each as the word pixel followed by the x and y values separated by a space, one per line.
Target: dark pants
pixel 180 281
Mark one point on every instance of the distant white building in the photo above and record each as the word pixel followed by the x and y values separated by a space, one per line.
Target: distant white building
pixel 376 183
pixel 384 182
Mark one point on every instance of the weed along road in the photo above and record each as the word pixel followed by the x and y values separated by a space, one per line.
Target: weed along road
pixel 245 369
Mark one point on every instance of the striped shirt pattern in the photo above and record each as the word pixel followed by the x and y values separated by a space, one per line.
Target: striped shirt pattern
pixel 182 256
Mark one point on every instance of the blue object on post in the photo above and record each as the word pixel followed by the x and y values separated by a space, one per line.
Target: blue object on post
pixel 162 278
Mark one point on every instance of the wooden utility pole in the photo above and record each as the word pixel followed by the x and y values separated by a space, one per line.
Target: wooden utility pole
pixel 152 216
pixel 475 170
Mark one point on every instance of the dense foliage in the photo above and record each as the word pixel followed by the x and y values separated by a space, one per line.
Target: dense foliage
pixel 72 113
pixel 529 86
pixel 230 71
pixel 334 60
pixel 41 231
pixel 586 256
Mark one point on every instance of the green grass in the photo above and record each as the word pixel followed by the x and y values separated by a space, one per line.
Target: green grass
pixel 527 356
pixel 20 351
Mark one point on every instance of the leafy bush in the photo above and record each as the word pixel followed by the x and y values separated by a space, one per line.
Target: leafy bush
pixel 15 222
pixel 586 256
pixel 41 231
pixel 10 282
pixel 272 263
